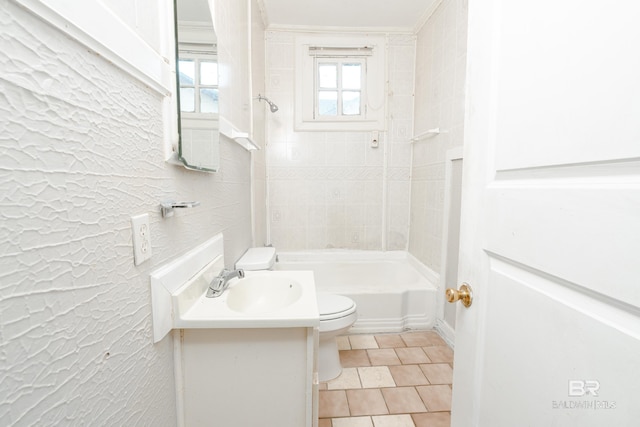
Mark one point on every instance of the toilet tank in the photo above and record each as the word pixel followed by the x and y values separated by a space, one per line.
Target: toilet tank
pixel 257 259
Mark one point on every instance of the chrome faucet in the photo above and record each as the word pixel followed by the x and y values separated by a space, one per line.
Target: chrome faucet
pixel 221 282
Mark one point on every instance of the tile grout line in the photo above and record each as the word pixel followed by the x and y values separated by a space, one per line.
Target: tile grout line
pixel 427 341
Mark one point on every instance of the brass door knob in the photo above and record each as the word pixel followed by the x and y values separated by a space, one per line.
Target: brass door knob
pixel 464 295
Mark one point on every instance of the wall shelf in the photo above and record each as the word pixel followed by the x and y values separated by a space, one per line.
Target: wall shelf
pixel 242 138
pixel 427 134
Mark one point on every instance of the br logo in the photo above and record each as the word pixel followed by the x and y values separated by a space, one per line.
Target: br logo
pixel 580 388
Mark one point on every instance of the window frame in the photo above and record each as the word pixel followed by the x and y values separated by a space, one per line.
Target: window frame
pixel 371 49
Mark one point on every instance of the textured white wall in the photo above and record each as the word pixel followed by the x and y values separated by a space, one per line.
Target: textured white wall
pixel 80 152
pixel 326 189
pixel 440 82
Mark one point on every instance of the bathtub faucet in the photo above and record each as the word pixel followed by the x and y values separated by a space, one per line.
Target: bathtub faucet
pixel 221 282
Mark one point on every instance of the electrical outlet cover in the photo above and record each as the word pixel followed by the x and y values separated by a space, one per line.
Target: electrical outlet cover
pixel 141 237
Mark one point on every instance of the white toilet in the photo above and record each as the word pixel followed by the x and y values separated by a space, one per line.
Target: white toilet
pixel 337 313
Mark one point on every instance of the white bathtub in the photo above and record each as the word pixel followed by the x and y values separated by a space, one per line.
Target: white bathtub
pixel 393 291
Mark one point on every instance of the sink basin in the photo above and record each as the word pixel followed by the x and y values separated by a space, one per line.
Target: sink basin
pixel 263 294
pixel 262 299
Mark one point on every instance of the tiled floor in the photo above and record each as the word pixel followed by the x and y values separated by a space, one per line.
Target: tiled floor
pixel 390 380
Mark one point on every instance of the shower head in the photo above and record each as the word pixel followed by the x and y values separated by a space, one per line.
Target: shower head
pixel 273 107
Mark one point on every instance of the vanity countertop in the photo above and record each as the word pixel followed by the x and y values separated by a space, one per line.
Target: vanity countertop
pixel 263 310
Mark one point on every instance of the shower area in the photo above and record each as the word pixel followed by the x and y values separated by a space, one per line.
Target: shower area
pixel 380 191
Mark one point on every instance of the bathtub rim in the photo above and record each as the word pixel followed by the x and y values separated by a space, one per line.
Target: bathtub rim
pixel 350 255
pixel 407 321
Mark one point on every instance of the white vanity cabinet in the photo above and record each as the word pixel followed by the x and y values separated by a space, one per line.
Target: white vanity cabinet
pixel 247 377
pixel 247 357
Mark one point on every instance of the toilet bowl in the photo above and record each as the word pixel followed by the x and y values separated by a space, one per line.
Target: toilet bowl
pixel 337 313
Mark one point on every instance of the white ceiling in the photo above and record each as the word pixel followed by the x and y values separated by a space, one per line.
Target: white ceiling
pixel 372 14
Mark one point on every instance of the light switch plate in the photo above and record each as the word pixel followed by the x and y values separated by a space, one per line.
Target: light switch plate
pixel 141 235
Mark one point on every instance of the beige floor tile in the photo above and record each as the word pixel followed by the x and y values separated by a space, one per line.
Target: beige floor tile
pixel 359 342
pixel 412 355
pixel 436 397
pixel 389 341
pixel 352 422
pixel 403 400
pixel 366 402
pixel 354 358
pixel 375 377
pixel 393 421
pixel 439 354
pixel 332 404
pixel 422 339
pixel 407 375
pixel 432 419
pixel 348 379
pixel 438 373
pixel 375 391
pixel 343 342
pixel 383 356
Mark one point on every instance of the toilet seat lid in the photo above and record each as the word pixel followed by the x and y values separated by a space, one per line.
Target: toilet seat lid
pixel 331 306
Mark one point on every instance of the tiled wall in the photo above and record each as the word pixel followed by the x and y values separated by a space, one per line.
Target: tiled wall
pixel 258 157
pixel 439 88
pixel 232 23
pixel 401 71
pixel 332 189
pixel 82 151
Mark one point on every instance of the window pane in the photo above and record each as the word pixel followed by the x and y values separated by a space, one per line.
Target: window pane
pixel 328 75
pixel 328 103
pixel 187 99
pixel 187 72
pixel 350 103
pixel 351 74
pixel 209 73
pixel 208 100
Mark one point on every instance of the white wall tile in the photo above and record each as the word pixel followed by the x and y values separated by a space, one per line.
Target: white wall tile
pixel 342 173
pixel 439 102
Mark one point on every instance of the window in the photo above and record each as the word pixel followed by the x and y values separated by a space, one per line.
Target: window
pixel 198 82
pixel 340 83
pixel 339 90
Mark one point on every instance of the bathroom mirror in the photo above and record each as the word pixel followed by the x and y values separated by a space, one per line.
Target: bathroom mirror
pixel 197 86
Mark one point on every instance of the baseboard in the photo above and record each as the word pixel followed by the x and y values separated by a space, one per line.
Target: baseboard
pixel 446 332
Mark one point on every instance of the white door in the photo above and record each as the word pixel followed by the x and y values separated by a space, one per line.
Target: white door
pixel 550 234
